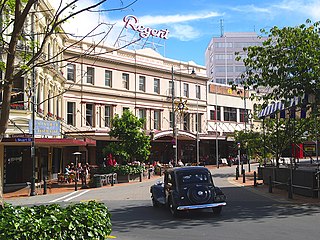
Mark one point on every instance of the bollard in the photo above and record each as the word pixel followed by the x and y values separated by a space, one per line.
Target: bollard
pixel 289 189
pixel 254 179
pixel 237 173
pixel 112 180
pixel 140 177
pixel 243 176
pixel 242 167
pixel 44 186
pixel 270 184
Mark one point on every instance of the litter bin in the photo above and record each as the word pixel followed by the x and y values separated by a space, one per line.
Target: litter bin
pixel 97 181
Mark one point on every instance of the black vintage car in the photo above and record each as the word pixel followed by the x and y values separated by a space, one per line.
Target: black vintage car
pixel 187 188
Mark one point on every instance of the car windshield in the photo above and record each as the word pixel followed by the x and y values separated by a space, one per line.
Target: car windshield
pixel 199 177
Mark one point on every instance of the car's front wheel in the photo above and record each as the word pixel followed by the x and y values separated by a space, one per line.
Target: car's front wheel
pixel 155 203
pixel 173 209
pixel 217 210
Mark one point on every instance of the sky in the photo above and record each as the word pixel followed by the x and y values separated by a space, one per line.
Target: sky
pixel 191 23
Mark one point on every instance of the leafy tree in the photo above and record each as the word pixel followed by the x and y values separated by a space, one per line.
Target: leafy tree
pixel 133 144
pixel 286 63
pixel 17 62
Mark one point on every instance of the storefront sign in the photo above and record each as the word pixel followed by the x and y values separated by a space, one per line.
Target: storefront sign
pixel 46 128
pixel 133 22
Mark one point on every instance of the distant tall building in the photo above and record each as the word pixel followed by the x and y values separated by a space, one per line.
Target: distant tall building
pixel 222 68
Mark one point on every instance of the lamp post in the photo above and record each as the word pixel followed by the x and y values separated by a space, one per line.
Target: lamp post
pixel 174 127
pixel 197 124
pixel 33 99
pixel 76 154
pixel 217 143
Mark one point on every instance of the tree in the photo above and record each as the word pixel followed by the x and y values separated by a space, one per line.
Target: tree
pixel 22 49
pixel 132 142
pixel 286 63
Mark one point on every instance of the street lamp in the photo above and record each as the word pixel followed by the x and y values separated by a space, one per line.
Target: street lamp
pixel 76 154
pixel 174 128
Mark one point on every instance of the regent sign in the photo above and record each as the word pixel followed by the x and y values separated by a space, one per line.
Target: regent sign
pixel 133 22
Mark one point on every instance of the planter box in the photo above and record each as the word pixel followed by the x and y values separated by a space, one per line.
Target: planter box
pixel 129 178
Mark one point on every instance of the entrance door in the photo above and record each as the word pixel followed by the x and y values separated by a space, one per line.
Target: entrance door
pixel 13 167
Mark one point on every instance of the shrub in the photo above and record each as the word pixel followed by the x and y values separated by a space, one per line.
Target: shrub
pixel 119 169
pixel 77 221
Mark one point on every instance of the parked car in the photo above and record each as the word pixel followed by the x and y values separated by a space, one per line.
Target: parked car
pixel 187 188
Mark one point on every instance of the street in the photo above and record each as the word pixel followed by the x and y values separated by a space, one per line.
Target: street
pixel 248 214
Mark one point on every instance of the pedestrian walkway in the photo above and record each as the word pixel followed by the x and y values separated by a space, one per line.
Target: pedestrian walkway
pixel 279 194
pixel 55 187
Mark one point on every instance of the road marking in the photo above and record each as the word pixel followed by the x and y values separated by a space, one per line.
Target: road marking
pixel 57 199
pixel 68 195
pixel 78 195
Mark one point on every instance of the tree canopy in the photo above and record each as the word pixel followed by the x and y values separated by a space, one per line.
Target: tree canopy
pixel 287 63
pixel 132 142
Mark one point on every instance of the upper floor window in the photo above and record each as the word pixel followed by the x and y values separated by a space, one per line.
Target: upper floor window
pixel 186 89
pixel 71 71
pixel 198 93
pixel 143 115
pixel 90 75
pixel 156 119
pixel 125 80
pixel 71 108
pixel 171 85
pixel 186 121
pixel 142 83
pixel 198 122
pixel 108 78
pixel 107 116
pixel 156 85
pixel 243 115
pixel 230 114
pixel 89 115
pixel 215 115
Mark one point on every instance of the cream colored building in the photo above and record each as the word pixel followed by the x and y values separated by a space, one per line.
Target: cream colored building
pixel 110 81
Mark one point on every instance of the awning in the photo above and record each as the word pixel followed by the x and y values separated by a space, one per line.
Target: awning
pixel 55 142
pixel 276 107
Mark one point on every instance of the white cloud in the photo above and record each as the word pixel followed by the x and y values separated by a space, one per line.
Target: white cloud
pixel 308 8
pixel 251 9
pixel 177 18
pixel 184 32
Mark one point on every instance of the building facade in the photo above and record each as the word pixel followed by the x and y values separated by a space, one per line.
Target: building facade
pixel 110 81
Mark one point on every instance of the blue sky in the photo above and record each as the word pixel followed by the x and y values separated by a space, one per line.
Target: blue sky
pixel 192 23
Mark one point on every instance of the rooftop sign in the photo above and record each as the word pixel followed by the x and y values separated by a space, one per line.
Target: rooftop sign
pixel 133 22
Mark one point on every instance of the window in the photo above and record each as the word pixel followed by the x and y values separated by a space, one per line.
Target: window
pixel 89 115
pixel 125 80
pixel 156 85
pixel 214 114
pixel 186 121
pixel 198 122
pixel 108 78
pixel 143 115
pixel 142 83
pixel 71 106
pixel 90 75
pixel 156 119
pixel 243 115
pixel 198 93
pixel 171 85
pixel 186 89
pixel 230 114
pixel 71 72
pixel 107 116
pixel 125 109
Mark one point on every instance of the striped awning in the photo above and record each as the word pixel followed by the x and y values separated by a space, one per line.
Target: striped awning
pixel 279 107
